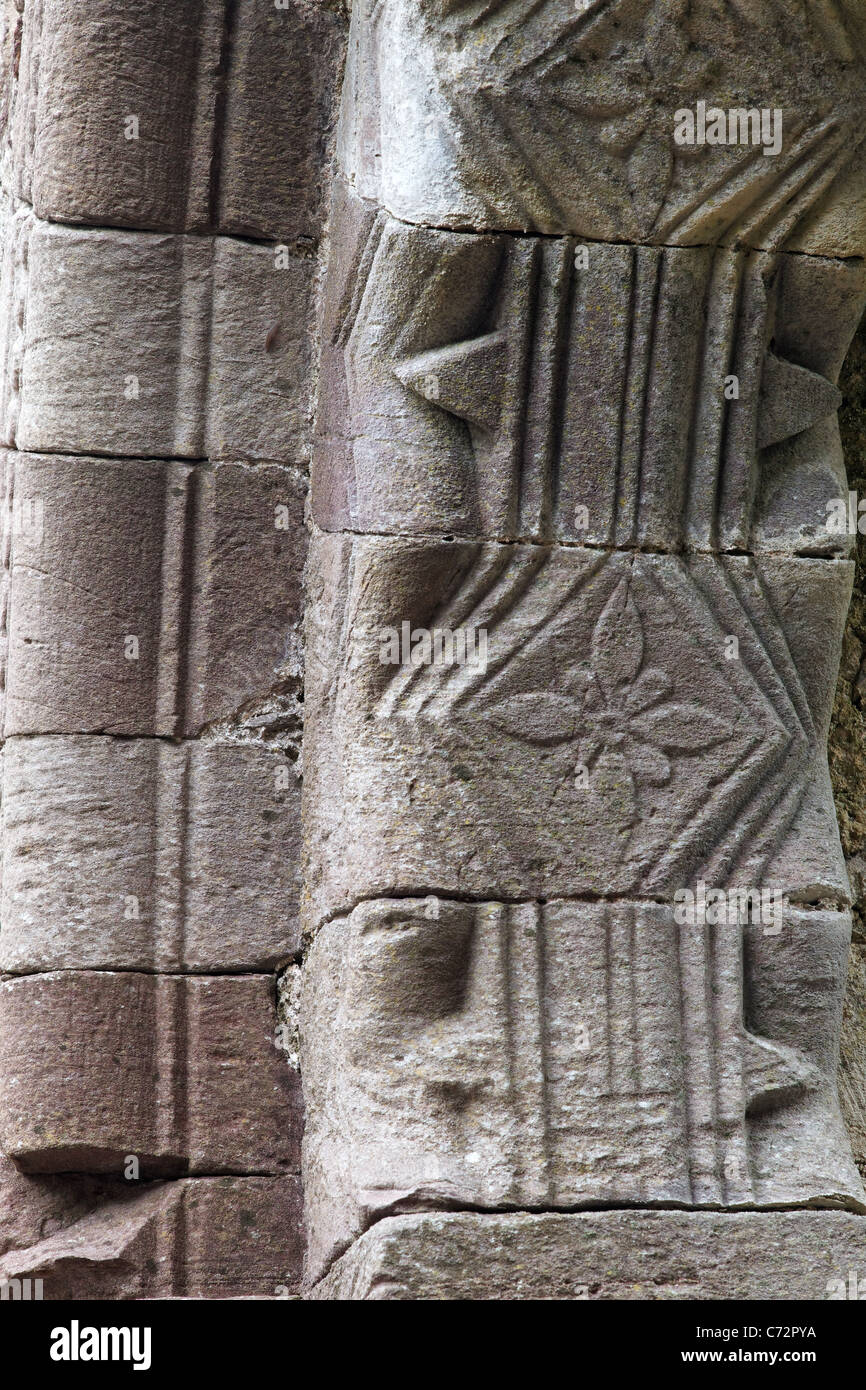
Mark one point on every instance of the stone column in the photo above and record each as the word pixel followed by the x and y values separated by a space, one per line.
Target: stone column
pixel 577 908
pixel 160 212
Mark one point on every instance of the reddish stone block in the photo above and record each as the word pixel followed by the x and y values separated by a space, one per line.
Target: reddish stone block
pixel 148 597
pixel 191 1238
pixel 180 1074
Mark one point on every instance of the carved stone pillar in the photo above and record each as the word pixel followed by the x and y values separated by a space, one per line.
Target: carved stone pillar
pixel 578 909
pixel 159 211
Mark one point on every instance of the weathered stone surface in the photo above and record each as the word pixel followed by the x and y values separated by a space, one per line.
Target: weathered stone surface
pixel 71 149
pixel 502 1008
pixel 232 104
pixel 148 598
pixel 605 1255
pixel 94 637
pixel 504 1004
pixel 259 393
pixel 115 342
pixel 561 118
pixel 852 1063
pixel 146 855
pixel 197 1238
pixel 144 596
pixel 14 238
pixel 35 1207
pixel 611 744
pixel 245 626
pixel 847 757
pixel 518 388
pixel 180 1072
pixel 513 1049
pixel 541 1056
pixel 279 102
pixel 141 344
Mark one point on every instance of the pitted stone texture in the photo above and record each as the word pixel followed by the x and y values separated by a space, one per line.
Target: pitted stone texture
pixel 199 569
pixel 145 855
pixel 641 722
pixel 852 1067
pixel 181 1072
pixel 604 1255
pixel 509 388
pixel 280 93
pixel 14 256
pixel 199 1238
pixel 561 118
pixel 258 404
pixel 558 1055
pixel 32 1208
pixel 502 1008
pixel 232 104
pixel 207 356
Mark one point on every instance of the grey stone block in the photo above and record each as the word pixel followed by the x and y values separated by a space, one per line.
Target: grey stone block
pixel 620 1255
pixel 141 344
pixel 259 389
pixel 116 342
pixel 138 854
pixel 564 119
pixel 513 388
pixel 639 723
pixel 569 1054
pixel 280 94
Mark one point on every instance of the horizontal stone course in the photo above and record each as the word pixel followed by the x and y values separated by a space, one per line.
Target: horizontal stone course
pixel 615 1255
pixel 143 344
pixel 662 677
pixel 522 388
pixel 145 855
pixel 566 1054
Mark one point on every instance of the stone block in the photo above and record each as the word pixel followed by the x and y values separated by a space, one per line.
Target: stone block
pixel 586 722
pixel 181 1073
pixel 259 391
pixel 563 1054
pixel 618 1255
pixel 190 1238
pixel 199 116
pixel 32 1208
pixel 147 597
pixel 115 342
pixel 559 121
pixel 141 344
pixel 138 854
pixel 513 388
pixel 279 96
pixel 245 643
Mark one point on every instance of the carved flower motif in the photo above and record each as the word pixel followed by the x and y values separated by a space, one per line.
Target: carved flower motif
pixel 632 95
pixel 618 714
